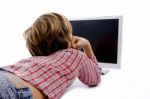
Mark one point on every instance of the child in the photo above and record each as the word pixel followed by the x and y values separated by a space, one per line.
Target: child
pixel 55 63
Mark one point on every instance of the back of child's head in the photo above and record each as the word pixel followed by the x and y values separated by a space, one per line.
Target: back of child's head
pixel 49 33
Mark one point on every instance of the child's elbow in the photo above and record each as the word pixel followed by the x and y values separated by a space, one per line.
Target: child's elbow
pixel 95 82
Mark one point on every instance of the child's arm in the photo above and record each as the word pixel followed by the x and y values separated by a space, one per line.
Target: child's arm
pixel 89 73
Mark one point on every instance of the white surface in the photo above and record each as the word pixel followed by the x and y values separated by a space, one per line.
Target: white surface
pixel 117 84
pixel 131 82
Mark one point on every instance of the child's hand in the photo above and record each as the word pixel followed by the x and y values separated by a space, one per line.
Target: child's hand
pixel 79 42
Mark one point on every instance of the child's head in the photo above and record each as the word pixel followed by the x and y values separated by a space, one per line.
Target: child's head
pixel 49 33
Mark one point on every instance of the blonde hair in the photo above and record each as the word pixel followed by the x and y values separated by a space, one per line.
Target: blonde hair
pixel 49 33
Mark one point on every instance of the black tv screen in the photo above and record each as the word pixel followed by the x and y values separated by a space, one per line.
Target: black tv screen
pixel 103 36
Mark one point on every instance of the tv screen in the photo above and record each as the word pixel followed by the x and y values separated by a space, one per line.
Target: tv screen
pixel 103 34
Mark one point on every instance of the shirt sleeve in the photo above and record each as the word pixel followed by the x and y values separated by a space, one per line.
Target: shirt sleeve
pixel 89 73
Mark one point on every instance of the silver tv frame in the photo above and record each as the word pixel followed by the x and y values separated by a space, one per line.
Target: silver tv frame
pixel 120 17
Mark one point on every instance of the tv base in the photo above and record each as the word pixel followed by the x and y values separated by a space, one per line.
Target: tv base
pixel 104 71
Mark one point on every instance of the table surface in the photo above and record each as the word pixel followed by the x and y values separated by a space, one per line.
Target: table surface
pixel 117 84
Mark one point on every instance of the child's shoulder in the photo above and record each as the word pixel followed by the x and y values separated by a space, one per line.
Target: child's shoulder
pixel 73 50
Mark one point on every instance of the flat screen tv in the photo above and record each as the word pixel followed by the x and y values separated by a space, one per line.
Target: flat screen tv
pixel 104 34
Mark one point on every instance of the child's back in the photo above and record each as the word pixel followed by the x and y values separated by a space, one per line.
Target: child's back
pixel 56 60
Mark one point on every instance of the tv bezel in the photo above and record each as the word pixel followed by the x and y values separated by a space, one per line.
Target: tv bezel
pixel 119 48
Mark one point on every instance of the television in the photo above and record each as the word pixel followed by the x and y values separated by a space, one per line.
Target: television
pixel 104 34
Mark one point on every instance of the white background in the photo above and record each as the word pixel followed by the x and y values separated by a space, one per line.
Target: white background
pixel 18 15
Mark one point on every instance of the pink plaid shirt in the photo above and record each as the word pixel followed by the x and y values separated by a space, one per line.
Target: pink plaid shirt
pixel 53 74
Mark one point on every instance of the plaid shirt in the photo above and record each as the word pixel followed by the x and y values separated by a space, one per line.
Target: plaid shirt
pixel 53 74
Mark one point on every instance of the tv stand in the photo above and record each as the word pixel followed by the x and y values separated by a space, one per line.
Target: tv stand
pixel 104 71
